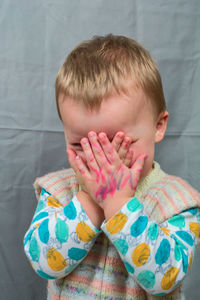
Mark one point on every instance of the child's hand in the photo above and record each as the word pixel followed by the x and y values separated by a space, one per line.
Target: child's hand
pixel 105 177
pixel 121 144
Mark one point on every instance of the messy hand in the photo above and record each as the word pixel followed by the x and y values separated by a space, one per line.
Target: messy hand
pixel 105 176
pixel 121 144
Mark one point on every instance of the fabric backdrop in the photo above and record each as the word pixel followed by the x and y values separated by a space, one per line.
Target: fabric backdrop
pixel 35 37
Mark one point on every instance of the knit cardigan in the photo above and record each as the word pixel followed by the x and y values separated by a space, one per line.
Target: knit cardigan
pixel 162 195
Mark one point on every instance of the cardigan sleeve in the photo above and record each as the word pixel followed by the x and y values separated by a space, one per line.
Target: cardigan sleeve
pixel 59 237
pixel 158 256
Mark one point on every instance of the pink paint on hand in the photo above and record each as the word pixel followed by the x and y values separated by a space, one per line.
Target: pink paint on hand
pixel 99 175
pixel 81 171
pixel 125 181
pixel 103 178
pixel 113 186
pixel 120 168
pixel 103 191
pixel 97 146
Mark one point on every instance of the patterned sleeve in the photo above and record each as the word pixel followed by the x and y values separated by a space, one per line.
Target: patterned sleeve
pixel 59 237
pixel 158 256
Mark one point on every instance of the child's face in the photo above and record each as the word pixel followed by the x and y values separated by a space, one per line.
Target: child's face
pixel 131 114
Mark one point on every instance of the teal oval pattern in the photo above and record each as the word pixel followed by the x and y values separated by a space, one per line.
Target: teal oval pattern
pixel 34 249
pixel 40 206
pixel 43 231
pixel 186 237
pixel 134 205
pixel 40 216
pixel 184 261
pixel 70 211
pixel 28 236
pixel 129 268
pixel 61 231
pixel 76 253
pixel 163 252
pixel 122 246
pixel 147 279
pixel 44 275
pixel 153 231
pixel 139 226
pixel 177 252
pixel 178 221
pixel 193 210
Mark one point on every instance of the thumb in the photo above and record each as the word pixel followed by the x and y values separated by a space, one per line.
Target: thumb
pixel 138 166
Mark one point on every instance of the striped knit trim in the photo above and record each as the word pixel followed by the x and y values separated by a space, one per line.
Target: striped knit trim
pixel 55 296
pixel 168 197
pixel 94 290
pixel 156 191
pixel 62 185
pixel 103 287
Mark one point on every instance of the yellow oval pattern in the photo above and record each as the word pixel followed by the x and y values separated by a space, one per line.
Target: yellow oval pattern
pixel 165 230
pixel 141 254
pixel 84 232
pixel 53 202
pixel 195 228
pixel 190 261
pixel 55 260
pixel 169 278
pixel 116 223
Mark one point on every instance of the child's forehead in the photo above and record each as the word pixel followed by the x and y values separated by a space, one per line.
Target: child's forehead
pixel 78 131
pixel 116 113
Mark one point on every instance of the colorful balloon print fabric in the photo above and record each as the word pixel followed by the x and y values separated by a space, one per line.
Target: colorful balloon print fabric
pixel 59 237
pixel 157 256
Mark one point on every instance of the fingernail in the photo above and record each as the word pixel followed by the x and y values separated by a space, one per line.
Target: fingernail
pixel 91 134
pixel 84 141
pixel 120 135
pixel 127 140
pixel 102 135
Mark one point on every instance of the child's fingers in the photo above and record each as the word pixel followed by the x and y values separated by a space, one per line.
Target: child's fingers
pixel 117 140
pixel 77 163
pixel 124 148
pixel 128 159
pixel 108 149
pixel 82 169
pixel 98 151
pixel 121 144
pixel 73 158
pixel 77 166
pixel 89 155
pixel 137 168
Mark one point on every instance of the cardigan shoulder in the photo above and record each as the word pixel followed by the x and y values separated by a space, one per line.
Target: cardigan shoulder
pixel 169 196
pixel 61 184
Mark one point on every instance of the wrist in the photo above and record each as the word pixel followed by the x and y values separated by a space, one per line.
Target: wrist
pixel 92 209
pixel 113 206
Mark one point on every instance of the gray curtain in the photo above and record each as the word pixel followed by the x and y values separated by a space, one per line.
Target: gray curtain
pixel 35 37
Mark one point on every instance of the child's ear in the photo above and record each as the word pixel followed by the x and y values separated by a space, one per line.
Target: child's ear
pixel 161 126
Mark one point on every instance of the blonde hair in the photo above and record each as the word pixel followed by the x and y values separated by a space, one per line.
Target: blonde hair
pixel 103 66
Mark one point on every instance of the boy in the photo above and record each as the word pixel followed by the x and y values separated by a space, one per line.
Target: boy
pixel 117 227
